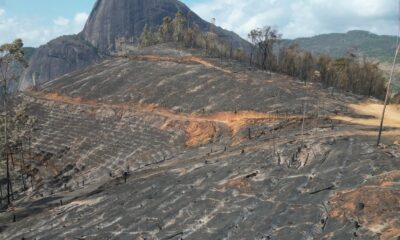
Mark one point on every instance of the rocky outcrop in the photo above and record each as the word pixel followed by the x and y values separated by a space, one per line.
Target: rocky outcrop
pixel 114 19
pixel 58 57
pixel 110 21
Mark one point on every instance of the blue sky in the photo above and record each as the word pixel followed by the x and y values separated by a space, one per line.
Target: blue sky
pixel 38 21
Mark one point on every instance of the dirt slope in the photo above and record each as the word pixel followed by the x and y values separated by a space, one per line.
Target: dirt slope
pixel 392 115
pixel 214 151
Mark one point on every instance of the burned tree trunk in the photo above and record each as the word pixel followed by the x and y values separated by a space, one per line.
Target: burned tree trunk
pixel 22 167
pixel 8 179
pixel 1 194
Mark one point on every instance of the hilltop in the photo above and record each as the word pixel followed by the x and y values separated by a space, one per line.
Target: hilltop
pixel 380 47
pixel 110 22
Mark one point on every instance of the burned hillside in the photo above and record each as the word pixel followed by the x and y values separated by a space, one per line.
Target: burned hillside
pixel 174 145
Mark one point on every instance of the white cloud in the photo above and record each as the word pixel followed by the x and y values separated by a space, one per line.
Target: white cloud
pixel 298 18
pixel 61 21
pixel 35 33
pixel 81 18
pixel 302 18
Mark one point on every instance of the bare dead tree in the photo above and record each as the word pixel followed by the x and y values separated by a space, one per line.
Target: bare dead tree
pixel 9 186
pixel 264 40
pixel 388 92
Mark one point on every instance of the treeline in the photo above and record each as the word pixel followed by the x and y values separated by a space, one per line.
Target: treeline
pixel 181 30
pixel 350 73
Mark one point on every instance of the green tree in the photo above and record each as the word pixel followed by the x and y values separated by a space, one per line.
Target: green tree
pixel 11 54
pixel 253 38
pixel 147 37
pixel 373 78
pixel 165 30
pixel 288 60
pixel 189 37
pixel 265 39
pixel 179 24
pixel 322 66
pixel 19 130
pixel 307 68
pixel 209 39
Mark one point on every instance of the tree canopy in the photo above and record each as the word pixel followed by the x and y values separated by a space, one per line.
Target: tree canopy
pixel 349 73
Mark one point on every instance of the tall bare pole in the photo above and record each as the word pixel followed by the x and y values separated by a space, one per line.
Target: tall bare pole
pixel 302 124
pixel 388 90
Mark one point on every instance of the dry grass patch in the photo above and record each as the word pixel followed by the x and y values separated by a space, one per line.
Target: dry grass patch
pixel 200 133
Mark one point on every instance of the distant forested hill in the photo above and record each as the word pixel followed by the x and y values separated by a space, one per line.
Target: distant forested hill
pixel 380 47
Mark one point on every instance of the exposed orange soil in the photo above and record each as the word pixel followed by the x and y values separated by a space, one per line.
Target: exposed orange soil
pixel 236 121
pixel 199 133
pixel 208 64
pixel 381 205
pixel 392 116
pixel 65 99
pixel 387 179
pixel 191 59
pixel 241 184
pixel 200 128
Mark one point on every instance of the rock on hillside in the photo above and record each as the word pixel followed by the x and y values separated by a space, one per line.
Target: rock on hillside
pixel 58 57
pixel 18 69
pixel 113 19
pixel 109 21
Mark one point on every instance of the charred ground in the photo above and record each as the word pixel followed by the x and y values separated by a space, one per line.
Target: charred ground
pixel 214 150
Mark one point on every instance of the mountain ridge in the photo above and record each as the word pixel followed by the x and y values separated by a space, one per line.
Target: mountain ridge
pixel 336 45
